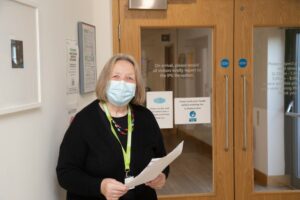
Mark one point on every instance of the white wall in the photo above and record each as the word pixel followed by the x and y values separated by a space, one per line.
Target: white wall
pixel 260 115
pixel 189 42
pixel 29 140
pixel 268 112
pixel 275 103
pixel 260 131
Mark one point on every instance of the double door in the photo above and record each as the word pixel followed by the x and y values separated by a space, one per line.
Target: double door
pixel 243 56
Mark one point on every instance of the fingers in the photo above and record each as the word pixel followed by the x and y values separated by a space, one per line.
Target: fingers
pixel 112 189
pixel 158 182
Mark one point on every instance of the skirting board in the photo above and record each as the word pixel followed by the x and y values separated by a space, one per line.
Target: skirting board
pixel 265 180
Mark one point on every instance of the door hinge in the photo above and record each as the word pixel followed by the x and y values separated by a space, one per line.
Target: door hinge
pixel 119 31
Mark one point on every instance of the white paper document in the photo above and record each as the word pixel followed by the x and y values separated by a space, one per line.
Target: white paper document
pixel 155 167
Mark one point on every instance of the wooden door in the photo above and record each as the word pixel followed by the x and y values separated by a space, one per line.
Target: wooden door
pixel 216 15
pixel 262 92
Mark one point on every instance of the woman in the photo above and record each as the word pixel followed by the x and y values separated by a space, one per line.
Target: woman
pixel 112 139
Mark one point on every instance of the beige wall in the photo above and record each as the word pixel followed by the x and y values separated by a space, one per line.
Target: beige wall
pixel 29 141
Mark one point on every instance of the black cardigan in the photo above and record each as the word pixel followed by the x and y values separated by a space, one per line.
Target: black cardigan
pixel 89 153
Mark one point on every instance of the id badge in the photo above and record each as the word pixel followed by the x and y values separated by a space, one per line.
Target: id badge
pixel 129 179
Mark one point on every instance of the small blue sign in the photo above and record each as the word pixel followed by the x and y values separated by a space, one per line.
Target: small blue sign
pixel 192 116
pixel 243 62
pixel 159 100
pixel 224 62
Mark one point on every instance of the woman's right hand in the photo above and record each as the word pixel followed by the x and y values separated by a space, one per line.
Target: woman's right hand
pixel 112 189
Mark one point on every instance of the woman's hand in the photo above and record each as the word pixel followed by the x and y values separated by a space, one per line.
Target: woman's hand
pixel 158 182
pixel 112 189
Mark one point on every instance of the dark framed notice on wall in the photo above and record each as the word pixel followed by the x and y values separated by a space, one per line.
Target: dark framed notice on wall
pixel 87 57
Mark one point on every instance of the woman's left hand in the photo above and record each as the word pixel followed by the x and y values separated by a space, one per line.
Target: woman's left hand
pixel 158 182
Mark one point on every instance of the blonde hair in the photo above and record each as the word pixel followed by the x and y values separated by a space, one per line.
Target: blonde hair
pixel 105 76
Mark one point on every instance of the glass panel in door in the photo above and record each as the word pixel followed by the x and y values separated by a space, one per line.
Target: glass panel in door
pixel 179 62
pixel 276 108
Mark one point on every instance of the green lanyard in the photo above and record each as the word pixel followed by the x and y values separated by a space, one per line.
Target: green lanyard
pixel 127 153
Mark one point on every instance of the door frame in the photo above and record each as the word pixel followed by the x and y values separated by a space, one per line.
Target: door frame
pixel 115 25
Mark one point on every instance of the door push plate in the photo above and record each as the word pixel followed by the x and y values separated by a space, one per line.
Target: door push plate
pixel 148 4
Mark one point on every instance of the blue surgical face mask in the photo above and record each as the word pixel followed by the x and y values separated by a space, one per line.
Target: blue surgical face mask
pixel 120 93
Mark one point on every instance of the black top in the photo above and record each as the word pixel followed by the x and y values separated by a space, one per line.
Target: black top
pixel 90 152
pixel 123 122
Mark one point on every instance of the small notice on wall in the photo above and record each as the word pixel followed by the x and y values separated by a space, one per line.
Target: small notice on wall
pixel 72 70
pixel 72 67
pixel 192 110
pixel 161 105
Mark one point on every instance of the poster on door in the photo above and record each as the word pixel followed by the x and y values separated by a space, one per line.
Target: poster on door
pixel 194 110
pixel 161 105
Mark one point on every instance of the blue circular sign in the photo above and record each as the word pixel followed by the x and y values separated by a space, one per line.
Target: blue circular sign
pixel 224 62
pixel 192 114
pixel 243 62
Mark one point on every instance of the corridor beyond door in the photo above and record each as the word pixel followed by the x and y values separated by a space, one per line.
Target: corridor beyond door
pixel 180 61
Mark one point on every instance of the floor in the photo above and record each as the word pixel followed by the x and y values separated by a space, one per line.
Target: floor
pixel 263 188
pixel 192 171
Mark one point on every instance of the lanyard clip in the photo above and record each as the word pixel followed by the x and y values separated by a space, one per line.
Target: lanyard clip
pixel 127 173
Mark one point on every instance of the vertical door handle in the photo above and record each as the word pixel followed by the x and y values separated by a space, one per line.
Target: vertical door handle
pixel 226 148
pixel 244 111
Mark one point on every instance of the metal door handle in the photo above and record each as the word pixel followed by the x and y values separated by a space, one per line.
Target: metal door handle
pixel 289 113
pixel 244 111
pixel 226 148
